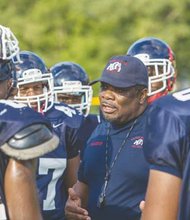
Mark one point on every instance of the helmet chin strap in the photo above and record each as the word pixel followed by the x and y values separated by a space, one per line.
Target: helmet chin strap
pixel 42 106
pixel 170 83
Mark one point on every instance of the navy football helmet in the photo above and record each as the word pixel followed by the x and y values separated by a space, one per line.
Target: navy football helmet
pixel 160 61
pixel 7 69
pixel 71 86
pixel 9 48
pixel 7 72
pixel 32 69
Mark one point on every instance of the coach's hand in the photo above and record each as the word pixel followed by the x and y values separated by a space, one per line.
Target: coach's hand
pixel 73 210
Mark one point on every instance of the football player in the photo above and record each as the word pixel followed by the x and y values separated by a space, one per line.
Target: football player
pixel 159 58
pixel 110 185
pixel 167 148
pixel 56 170
pixel 25 135
pixel 71 86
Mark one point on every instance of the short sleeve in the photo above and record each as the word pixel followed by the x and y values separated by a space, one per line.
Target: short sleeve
pixel 165 141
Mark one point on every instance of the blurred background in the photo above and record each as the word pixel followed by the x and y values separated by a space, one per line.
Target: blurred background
pixel 89 32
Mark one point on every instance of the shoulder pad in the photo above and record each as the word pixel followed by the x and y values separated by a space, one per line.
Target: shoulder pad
pixel 31 142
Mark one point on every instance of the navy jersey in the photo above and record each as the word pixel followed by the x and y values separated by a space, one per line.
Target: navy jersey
pixel 167 141
pixel 66 123
pixel 91 122
pixel 13 118
pixel 184 213
pixel 128 180
pixel 3 165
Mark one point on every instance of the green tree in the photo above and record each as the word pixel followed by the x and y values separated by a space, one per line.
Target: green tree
pixel 90 32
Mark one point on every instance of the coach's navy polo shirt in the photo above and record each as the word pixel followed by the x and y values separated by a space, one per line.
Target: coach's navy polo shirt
pixel 128 181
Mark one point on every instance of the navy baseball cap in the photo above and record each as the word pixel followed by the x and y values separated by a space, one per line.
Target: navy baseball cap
pixel 124 71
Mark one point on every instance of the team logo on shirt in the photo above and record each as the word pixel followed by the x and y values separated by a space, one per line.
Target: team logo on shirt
pixel 137 142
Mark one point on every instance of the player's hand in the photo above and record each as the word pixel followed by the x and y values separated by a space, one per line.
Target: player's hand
pixel 73 210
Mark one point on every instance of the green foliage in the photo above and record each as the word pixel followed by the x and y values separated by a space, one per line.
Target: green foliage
pixel 90 32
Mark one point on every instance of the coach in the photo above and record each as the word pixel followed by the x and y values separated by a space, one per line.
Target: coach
pixel 113 175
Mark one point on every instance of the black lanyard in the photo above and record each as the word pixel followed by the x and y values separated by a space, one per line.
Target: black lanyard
pixel 101 199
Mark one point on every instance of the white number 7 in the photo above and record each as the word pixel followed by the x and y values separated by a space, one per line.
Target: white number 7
pixel 59 166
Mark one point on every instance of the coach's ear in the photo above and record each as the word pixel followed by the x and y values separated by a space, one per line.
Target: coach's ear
pixel 143 95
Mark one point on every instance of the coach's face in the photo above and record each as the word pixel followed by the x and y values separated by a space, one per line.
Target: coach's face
pixel 120 105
